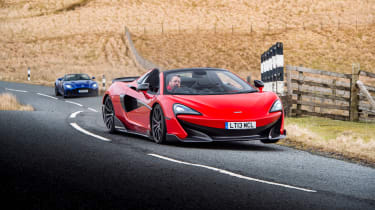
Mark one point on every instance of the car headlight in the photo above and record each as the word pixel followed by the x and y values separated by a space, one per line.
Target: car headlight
pixel 68 86
pixel 182 109
pixel 95 85
pixel 277 106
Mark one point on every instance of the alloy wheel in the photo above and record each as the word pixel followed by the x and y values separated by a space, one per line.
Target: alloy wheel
pixel 109 115
pixel 158 125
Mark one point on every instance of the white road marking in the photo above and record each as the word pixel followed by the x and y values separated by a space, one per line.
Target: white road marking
pixel 232 174
pixel 74 125
pixel 91 109
pixel 22 91
pixel 74 115
pixel 74 103
pixel 41 94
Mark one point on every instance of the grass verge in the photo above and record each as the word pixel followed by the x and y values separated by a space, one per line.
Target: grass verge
pixel 354 141
pixel 10 102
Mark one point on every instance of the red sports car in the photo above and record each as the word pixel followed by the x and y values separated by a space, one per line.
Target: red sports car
pixel 193 105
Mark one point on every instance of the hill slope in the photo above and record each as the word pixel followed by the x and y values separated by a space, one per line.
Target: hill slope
pixel 55 37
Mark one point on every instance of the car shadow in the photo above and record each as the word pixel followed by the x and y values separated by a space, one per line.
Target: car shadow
pixel 235 145
pixel 228 145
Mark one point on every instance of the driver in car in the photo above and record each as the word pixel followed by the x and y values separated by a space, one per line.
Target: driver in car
pixel 174 83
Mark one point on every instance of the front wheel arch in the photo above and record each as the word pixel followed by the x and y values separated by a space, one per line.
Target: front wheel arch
pixel 104 98
pixel 108 114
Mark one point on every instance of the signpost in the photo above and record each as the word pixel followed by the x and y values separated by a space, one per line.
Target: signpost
pixel 28 73
pixel 272 69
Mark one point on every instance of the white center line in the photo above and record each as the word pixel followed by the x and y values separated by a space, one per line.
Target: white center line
pixel 22 91
pixel 74 125
pixel 41 94
pixel 91 109
pixel 74 115
pixel 233 174
pixel 74 103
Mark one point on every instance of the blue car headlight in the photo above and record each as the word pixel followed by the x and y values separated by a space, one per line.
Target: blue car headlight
pixel 182 109
pixel 277 106
pixel 68 86
pixel 94 85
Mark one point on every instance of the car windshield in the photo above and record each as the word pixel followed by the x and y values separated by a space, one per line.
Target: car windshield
pixel 204 82
pixel 72 77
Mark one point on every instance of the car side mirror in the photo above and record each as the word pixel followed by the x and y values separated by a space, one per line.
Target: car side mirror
pixel 93 78
pixel 60 78
pixel 259 84
pixel 143 87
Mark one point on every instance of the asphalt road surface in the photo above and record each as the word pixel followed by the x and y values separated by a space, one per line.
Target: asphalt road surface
pixel 60 156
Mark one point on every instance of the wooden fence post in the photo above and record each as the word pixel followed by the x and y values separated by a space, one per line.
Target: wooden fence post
pixel 312 99
pixel 248 79
pixel 334 90
pixel 354 90
pixel 289 80
pixel 289 95
pixel 299 95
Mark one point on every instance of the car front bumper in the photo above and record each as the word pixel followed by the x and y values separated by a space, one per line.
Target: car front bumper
pixel 198 133
pixel 76 92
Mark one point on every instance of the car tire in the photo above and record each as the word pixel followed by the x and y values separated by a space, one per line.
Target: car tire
pixel 56 91
pixel 266 141
pixel 158 125
pixel 109 115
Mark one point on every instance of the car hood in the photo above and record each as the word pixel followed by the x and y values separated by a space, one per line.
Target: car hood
pixel 247 105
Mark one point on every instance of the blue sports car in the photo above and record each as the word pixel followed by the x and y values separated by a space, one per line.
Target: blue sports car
pixel 76 85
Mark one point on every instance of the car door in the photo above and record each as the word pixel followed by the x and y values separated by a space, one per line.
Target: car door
pixel 138 103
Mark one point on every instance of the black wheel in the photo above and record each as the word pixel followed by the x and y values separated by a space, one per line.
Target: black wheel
pixel 109 115
pixel 272 134
pixel 269 141
pixel 56 91
pixel 158 127
pixel 65 96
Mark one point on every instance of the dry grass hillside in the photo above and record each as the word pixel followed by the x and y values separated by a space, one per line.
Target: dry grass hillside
pixel 54 37
pixel 9 102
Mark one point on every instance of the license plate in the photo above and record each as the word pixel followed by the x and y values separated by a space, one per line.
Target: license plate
pixel 240 125
pixel 83 91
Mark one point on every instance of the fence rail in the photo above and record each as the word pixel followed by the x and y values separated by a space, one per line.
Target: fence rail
pixel 329 94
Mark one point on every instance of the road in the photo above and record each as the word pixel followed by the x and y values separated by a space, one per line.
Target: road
pixel 60 156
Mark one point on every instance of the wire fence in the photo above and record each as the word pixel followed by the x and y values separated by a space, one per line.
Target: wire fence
pixel 176 27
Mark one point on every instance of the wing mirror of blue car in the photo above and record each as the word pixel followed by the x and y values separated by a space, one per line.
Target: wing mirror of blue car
pixel 60 79
pixel 259 84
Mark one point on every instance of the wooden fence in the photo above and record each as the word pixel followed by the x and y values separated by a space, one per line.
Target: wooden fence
pixel 328 94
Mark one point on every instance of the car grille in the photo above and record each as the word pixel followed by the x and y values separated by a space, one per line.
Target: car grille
pixel 195 130
pixel 75 92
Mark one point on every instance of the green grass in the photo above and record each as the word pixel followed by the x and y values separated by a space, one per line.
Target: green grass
pixel 330 129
